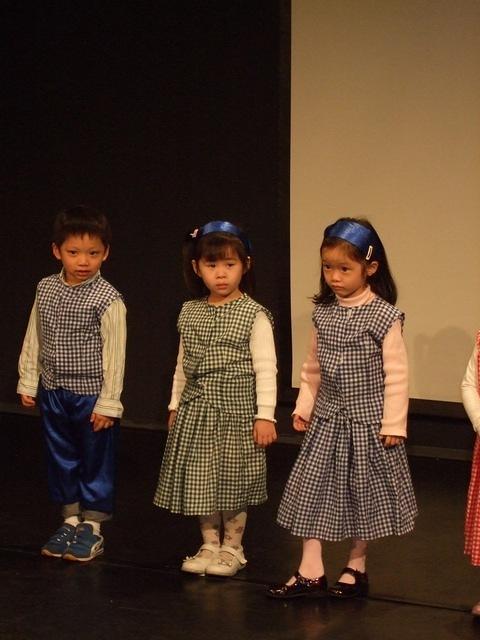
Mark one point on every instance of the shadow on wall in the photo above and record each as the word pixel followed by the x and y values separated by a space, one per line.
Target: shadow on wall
pixel 439 364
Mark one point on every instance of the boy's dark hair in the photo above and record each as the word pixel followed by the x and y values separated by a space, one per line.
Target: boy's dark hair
pixel 381 282
pixel 79 221
pixel 215 246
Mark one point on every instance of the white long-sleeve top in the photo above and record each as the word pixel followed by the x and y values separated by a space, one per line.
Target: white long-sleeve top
pixel 395 366
pixel 264 361
pixel 469 389
pixel 113 330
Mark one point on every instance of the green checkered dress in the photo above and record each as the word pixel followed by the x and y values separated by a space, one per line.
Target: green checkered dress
pixel 211 462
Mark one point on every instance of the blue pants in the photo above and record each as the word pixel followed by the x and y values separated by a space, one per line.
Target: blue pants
pixel 81 462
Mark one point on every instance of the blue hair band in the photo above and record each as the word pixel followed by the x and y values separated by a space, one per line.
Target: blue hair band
pixel 361 237
pixel 222 226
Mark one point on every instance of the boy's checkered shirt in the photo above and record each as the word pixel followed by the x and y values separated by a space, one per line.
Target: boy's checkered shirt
pixel 71 342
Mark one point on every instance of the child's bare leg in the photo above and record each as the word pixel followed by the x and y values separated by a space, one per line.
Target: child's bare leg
pixel 310 579
pixel 311 564
pixel 356 560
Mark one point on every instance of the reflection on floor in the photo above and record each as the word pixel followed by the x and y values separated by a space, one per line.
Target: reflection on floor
pixel 421 585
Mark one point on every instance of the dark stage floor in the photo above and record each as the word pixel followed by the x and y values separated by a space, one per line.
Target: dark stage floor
pixel 422 586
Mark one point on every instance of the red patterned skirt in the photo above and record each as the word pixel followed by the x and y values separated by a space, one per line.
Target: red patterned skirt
pixel 472 518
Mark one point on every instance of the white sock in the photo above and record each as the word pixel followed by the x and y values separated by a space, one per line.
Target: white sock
pixel 73 520
pixel 234 526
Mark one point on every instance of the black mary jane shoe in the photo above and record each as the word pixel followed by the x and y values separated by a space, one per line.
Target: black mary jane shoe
pixel 356 590
pixel 302 587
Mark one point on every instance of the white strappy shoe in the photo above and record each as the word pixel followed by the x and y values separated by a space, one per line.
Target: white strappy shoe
pixel 227 567
pixel 197 563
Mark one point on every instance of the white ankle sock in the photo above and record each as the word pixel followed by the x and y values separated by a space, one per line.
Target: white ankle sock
pixel 73 520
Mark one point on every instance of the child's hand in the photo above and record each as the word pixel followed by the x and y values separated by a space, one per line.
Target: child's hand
pixel 391 441
pixel 172 416
pixel 264 432
pixel 299 424
pixel 27 401
pixel 101 422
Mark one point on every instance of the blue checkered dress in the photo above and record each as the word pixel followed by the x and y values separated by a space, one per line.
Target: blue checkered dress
pixel 345 484
pixel 211 462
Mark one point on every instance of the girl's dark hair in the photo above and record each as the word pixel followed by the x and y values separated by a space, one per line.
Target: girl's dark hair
pixel 381 282
pixel 81 220
pixel 215 246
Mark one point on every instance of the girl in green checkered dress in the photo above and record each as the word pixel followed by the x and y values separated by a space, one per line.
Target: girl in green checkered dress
pixel 223 399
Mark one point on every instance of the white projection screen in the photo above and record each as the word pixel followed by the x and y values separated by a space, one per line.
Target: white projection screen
pixel 386 125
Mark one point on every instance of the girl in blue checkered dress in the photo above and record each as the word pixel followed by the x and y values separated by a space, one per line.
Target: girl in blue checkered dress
pixel 223 400
pixel 351 478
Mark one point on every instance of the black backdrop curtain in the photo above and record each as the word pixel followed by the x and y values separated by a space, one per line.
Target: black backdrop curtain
pixel 165 115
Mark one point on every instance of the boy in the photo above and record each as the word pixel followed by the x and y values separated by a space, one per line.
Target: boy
pixel 72 364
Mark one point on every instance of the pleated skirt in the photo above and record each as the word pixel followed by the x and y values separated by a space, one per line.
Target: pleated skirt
pixel 210 463
pixel 346 484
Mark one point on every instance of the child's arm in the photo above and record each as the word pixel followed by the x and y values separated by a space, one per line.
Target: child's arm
pixel 114 335
pixel 178 386
pixel 395 407
pixel 264 361
pixel 29 362
pixel 469 387
pixel 309 385
pixel 299 423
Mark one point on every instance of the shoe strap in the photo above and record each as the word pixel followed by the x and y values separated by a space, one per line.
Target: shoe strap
pixel 309 581
pixel 209 547
pixel 236 553
pixel 353 572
